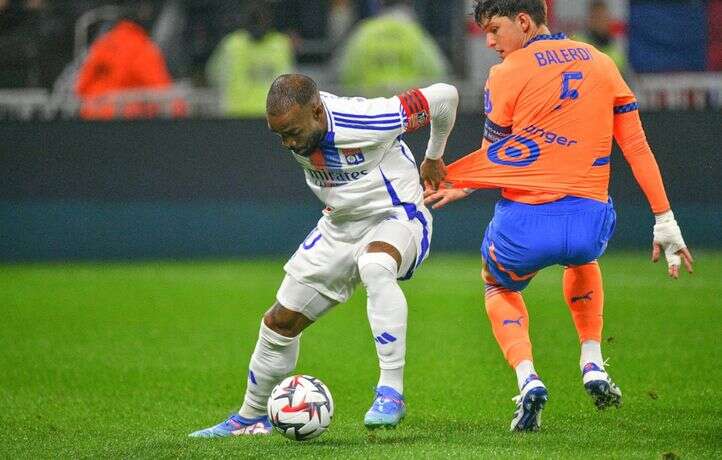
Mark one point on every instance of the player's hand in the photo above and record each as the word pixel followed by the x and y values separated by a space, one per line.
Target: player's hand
pixel 668 238
pixel 433 172
pixel 443 196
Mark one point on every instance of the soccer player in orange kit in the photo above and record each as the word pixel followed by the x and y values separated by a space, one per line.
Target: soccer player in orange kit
pixel 552 107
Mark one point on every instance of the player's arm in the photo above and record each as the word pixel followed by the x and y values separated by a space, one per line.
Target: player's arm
pixel 500 95
pixel 629 134
pixel 444 195
pixel 437 104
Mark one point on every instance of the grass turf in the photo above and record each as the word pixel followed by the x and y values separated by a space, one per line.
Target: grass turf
pixel 124 360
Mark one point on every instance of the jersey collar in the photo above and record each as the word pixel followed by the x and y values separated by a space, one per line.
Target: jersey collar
pixel 328 139
pixel 557 36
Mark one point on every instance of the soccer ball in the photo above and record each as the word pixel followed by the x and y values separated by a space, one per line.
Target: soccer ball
pixel 300 407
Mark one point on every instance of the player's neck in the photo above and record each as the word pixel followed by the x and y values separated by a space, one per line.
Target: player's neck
pixel 537 30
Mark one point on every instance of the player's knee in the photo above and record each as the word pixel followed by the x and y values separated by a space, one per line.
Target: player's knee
pixel 490 290
pixel 284 321
pixel 376 269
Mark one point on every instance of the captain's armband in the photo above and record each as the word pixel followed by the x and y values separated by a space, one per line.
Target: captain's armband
pixel 416 109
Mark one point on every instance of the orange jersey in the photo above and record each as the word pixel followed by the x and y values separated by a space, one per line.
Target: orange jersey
pixel 552 109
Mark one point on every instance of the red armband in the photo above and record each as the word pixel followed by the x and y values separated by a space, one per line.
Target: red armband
pixel 416 108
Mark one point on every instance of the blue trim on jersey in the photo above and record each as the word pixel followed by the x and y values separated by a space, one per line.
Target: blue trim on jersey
pixel 404 115
pixel 412 213
pixel 354 115
pixel 330 152
pixel 557 36
pixel 601 161
pixel 631 107
pixel 494 132
pixel 368 127
pixel 329 118
pixel 403 151
pixel 379 121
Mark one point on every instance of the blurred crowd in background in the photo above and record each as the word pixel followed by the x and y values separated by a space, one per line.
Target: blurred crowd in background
pixel 197 58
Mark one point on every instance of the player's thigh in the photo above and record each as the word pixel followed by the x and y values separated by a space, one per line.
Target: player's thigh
pixel 325 264
pixel 410 237
pixel 511 273
pixel 304 299
pixel 519 242
pixel 593 229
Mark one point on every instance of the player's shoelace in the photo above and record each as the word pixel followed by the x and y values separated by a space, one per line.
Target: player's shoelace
pixel 527 417
pixel 386 404
pixel 235 424
pixel 604 392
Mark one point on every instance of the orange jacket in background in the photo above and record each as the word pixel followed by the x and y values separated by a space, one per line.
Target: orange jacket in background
pixel 552 110
pixel 124 58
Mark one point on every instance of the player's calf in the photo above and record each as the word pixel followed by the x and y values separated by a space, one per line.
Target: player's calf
pixel 387 314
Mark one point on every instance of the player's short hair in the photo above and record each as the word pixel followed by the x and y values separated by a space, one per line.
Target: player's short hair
pixel 288 90
pixel 487 9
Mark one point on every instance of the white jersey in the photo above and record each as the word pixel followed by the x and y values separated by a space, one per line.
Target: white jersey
pixel 363 168
pixel 367 178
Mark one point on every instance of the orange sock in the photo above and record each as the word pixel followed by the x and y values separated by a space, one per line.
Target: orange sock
pixel 584 294
pixel 510 323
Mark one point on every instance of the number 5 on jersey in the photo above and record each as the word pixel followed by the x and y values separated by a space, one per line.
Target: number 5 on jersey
pixel 567 92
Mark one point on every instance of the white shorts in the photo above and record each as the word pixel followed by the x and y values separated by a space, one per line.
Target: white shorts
pixel 327 260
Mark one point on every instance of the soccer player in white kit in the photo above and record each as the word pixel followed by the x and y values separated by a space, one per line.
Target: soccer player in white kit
pixel 375 229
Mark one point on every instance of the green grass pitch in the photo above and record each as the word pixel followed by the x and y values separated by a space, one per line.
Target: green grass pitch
pixel 124 360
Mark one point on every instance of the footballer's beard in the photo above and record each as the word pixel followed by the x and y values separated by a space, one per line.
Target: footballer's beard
pixel 314 141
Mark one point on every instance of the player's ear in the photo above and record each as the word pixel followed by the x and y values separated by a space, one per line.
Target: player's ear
pixel 524 21
pixel 318 111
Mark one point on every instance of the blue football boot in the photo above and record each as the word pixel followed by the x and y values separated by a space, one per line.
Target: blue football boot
pixel 529 404
pixel 236 425
pixel 600 387
pixel 387 410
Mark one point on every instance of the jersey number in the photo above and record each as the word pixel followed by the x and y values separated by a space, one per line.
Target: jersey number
pixel 567 92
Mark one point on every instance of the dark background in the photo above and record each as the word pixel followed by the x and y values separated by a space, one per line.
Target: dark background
pixel 223 188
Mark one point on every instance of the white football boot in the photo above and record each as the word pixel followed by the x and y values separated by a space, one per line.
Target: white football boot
pixel 529 404
pixel 600 387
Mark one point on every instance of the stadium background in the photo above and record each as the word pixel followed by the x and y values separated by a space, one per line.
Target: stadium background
pixel 201 209
pixel 199 185
pixel 224 188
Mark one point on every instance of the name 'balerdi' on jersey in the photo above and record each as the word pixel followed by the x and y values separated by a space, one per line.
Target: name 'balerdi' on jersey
pixel 552 109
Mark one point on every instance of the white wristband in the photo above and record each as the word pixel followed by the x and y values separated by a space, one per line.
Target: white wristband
pixel 667 216
pixel 667 234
